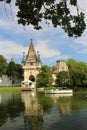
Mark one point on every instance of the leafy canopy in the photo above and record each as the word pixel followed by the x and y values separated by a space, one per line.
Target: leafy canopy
pixel 55 12
pixel 63 79
pixel 78 72
pixel 3 65
pixel 44 78
pixel 14 70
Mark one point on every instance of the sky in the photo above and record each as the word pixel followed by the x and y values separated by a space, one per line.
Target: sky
pixel 52 43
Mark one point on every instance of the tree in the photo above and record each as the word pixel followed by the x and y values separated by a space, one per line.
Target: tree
pixel 12 71
pixel 44 78
pixel 78 72
pixel 3 65
pixel 57 13
pixel 63 79
pixel 15 71
pixel 19 71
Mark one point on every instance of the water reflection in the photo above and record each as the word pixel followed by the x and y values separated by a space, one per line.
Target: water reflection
pixel 10 109
pixel 41 111
pixel 71 113
pixel 37 111
pixel 63 102
pixel 33 110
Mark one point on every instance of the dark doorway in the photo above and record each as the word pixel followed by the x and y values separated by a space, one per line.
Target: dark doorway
pixel 32 78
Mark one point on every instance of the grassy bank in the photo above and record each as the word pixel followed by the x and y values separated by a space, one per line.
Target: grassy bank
pixel 10 89
pixel 49 88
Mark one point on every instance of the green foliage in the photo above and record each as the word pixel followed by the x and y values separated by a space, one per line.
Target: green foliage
pixel 19 71
pixel 57 13
pixel 44 78
pixel 14 71
pixel 3 65
pixel 63 79
pixel 78 72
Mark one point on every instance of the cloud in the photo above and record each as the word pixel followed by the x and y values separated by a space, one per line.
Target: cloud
pixel 11 48
pixel 83 51
pixel 10 24
pixel 80 44
pixel 82 41
pixel 50 39
pixel 82 5
pixel 5 24
pixel 47 51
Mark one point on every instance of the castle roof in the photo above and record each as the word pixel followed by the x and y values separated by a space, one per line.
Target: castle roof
pixel 31 55
pixel 60 66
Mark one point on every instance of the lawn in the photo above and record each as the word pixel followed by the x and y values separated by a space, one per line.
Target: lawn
pixel 10 89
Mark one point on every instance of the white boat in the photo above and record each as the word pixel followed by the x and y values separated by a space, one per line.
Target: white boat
pixel 57 91
pixel 56 95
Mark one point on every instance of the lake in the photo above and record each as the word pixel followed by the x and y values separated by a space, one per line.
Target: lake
pixel 37 111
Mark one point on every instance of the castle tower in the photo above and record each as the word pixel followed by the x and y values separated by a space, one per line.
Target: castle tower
pixel 32 64
pixel 60 66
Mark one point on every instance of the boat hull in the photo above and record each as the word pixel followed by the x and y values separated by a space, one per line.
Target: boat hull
pixel 58 91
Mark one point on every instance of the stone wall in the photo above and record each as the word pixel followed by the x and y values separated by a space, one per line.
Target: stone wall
pixel 5 81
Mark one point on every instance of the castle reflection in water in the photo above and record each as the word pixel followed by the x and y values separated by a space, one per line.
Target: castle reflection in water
pixel 33 110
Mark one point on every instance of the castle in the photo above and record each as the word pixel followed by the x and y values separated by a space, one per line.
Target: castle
pixel 32 66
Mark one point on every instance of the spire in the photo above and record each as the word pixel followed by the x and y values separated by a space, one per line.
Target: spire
pixel 31 40
pixel 12 59
pixel 38 57
pixel 31 48
pixel 31 55
pixel 23 59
